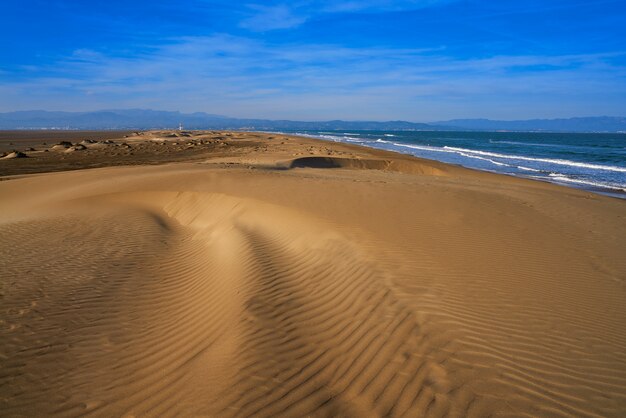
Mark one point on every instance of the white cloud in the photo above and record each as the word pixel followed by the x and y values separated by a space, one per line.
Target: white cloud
pixel 272 17
pixel 239 76
pixel 293 14
pixel 376 5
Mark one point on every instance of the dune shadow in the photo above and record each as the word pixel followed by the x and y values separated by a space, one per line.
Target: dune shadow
pixel 333 162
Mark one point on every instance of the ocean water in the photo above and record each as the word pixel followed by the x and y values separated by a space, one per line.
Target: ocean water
pixel 592 161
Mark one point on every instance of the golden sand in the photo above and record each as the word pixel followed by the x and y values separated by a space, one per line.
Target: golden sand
pixel 294 277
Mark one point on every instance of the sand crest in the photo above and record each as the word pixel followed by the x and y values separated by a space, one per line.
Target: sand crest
pixel 15 154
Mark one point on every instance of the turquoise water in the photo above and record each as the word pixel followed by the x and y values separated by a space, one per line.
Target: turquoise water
pixel 585 160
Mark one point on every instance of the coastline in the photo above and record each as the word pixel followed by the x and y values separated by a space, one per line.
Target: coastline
pixel 238 273
pixel 471 157
pixel 180 153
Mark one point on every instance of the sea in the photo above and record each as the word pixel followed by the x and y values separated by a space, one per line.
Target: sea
pixel 590 161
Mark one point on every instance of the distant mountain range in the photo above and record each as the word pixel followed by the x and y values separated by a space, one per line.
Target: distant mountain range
pixel 589 124
pixel 156 119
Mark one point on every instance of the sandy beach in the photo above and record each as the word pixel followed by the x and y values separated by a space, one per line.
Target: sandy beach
pixel 233 274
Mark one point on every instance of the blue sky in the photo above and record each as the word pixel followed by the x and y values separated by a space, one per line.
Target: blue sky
pixel 417 60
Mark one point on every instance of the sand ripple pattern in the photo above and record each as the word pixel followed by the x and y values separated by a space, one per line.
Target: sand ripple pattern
pixel 204 304
pixel 162 308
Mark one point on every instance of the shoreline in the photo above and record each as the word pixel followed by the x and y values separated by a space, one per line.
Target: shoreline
pixel 50 138
pixel 605 190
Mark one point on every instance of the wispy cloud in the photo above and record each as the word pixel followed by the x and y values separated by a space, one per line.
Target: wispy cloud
pixel 376 5
pixel 292 14
pixel 241 76
pixel 265 18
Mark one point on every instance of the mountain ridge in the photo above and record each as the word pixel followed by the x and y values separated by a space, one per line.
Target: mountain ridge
pixel 109 119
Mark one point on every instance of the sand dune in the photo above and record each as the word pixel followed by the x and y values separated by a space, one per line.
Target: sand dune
pixel 274 284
